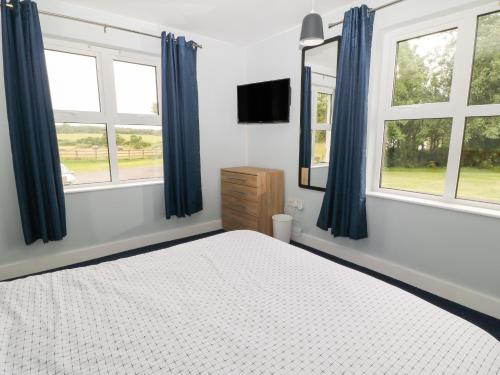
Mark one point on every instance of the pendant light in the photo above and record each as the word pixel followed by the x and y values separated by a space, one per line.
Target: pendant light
pixel 312 29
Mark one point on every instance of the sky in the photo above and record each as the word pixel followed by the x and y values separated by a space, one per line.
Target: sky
pixel 74 85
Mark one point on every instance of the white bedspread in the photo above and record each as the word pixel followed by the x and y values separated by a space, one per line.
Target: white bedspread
pixel 236 303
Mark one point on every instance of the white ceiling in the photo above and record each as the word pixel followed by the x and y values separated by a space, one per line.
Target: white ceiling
pixel 237 21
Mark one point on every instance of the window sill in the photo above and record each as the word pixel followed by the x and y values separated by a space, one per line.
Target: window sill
pixel 87 189
pixel 323 165
pixel 489 212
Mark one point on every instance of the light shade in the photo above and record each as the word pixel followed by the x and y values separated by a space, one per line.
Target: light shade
pixel 312 30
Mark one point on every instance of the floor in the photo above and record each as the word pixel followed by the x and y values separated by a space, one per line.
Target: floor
pixel 486 322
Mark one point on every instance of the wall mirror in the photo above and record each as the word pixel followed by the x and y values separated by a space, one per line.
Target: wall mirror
pixel 319 71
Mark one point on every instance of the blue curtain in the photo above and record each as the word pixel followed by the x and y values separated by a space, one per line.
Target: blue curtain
pixel 32 130
pixel 181 135
pixel 344 209
pixel 305 121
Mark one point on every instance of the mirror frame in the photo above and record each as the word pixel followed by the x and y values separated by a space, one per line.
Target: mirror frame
pixel 304 50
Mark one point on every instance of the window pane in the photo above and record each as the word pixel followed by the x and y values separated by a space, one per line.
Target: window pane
pixel 135 86
pixel 424 69
pixel 416 154
pixel 480 162
pixel 83 149
pixel 73 81
pixel 140 152
pixel 485 83
pixel 321 146
pixel 323 107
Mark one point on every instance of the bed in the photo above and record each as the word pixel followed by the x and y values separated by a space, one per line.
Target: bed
pixel 235 303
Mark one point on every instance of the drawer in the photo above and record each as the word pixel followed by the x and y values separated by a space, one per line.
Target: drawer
pixel 240 191
pixel 239 178
pixel 232 220
pixel 240 205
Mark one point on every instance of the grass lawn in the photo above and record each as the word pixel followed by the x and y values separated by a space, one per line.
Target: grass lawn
pixel 320 152
pixel 103 165
pixel 480 184
pixel 474 183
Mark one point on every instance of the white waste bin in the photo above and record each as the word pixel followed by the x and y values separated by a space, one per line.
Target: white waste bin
pixel 282 227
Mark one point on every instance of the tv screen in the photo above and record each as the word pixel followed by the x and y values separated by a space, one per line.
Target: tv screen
pixel 264 102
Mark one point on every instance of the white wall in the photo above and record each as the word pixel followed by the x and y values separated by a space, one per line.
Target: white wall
pixel 460 251
pixel 96 218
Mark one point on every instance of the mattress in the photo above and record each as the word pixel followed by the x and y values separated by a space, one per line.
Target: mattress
pixel 235 303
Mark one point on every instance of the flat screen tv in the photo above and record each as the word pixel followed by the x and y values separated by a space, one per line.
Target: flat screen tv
pixel 264 102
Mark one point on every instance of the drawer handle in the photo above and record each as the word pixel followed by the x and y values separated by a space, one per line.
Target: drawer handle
pixel 236 178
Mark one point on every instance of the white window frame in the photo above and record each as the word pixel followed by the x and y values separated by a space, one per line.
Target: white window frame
pixel 457 108
pixel 315 90
pixel 108 114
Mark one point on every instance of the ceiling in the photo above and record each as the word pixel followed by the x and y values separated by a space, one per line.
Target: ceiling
pixel 236 21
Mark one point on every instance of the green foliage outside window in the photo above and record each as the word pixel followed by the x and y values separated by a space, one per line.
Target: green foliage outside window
pixel 424 69
pixel 485 83
pixel 322 108
pixel 417 143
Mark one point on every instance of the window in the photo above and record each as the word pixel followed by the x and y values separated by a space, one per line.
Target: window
pixel 322 117
pixel 416 154
pixel 479 177
pixel 323 107
pixel 140 153
pixel 107 115
pixel 84 153
pixel 424 67
pixel 61 69
pixel 321 151
pixel 135 86
pixel 485 82
pixel 440 115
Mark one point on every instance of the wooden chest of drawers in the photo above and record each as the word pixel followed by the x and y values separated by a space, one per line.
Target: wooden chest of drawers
pixel 250 197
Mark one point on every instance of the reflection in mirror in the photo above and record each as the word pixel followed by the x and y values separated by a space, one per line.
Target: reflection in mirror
pixel 319 71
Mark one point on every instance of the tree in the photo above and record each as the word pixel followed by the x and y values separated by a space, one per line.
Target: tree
pixel 322 107
pixel 137 142
pixel 485 82
pixel 93 141
pixel 424 77
pixel 417 143
pixel 482 142
pixel 120 140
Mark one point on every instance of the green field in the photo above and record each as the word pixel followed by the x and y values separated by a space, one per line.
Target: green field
pixel 87 162
pixel 103 165
pixel 474 183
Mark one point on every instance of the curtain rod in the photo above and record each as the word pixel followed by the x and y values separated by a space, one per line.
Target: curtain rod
pixel 387 5
pixel 104 25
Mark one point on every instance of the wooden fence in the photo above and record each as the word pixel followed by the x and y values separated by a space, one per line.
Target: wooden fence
pixel 102 154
